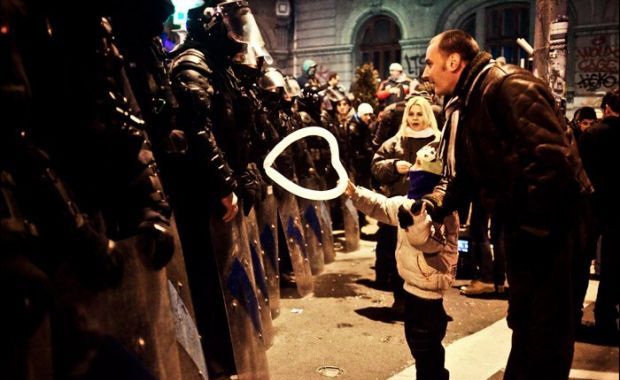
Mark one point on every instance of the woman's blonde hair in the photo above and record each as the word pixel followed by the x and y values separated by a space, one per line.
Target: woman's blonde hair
pixel 427 114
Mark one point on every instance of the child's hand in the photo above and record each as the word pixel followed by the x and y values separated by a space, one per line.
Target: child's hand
pixel 350 190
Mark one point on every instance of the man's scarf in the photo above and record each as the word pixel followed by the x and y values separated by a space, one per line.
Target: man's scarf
pixel 447 144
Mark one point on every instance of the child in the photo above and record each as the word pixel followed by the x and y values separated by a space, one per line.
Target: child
pixel 426 258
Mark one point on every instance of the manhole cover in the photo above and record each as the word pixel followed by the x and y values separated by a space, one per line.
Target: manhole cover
pixel 329 371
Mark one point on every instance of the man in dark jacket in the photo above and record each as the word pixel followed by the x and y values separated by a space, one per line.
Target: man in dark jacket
pixel 505 142
pixel 598 145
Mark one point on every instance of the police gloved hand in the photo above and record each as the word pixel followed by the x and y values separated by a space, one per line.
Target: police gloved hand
pixel 156 243
pixel 253 188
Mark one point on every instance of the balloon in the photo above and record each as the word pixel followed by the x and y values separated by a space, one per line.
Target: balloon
pixel 316 195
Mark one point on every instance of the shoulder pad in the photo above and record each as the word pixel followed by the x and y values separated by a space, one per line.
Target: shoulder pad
pixel 191 59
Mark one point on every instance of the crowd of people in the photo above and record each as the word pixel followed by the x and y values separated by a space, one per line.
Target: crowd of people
pixel 135 211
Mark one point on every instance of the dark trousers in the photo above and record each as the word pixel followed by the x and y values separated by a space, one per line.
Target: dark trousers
pixel 425 327
pixel 385 263
pixel 491 263
pixel 541 306
pixel 608 296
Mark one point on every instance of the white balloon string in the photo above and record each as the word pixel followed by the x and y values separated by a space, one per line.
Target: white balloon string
pixel 290 186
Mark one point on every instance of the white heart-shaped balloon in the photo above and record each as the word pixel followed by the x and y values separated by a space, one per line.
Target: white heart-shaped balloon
pixel 290 186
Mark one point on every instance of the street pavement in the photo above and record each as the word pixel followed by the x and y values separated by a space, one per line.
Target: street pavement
pixel 346 330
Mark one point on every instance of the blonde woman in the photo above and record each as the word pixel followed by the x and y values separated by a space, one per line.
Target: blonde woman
pixel 390 166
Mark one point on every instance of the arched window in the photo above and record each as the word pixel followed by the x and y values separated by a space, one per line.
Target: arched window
pixel 496 27
pixel 469 25
pixel 378 43
pixel 504 24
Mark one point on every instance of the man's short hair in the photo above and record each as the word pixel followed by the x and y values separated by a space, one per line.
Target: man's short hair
pixel 586 113
pixel 612 99
pixel 332 75
pixel 457 41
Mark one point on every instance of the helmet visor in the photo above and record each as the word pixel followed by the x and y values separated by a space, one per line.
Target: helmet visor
pixel 241 27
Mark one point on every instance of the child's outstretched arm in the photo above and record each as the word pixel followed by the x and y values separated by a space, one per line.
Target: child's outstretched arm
pixel 375 205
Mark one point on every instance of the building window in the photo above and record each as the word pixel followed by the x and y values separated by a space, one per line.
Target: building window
pixel 504 24
pixel 469 25
pixel 378 43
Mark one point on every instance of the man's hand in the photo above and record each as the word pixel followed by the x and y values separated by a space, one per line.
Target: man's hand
pixel 231 207
pixel 402 166
pixel 405 219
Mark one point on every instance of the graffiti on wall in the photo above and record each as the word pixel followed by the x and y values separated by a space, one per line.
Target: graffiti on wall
pixel 415 65
pixel 596 67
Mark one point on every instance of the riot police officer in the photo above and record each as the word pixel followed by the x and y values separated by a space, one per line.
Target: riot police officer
pixel 212 168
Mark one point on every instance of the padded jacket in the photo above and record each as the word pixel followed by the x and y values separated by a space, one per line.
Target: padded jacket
pixel 513 149
pixel 426 252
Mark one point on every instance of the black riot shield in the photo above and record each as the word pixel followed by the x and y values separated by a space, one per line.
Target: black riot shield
pixel 266 215
pixel 134 321
pixel 260 277
pixel 328 234
pixel 313 233
pixel 351 224
pixel 288 211
pixel 234 264
pixel 191 355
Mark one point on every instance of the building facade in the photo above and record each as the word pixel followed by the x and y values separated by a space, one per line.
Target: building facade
pixel 342 34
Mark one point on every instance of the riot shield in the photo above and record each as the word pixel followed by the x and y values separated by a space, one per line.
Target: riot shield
pixel 191 355
pixel 266 215
pixel 313 232
pixel 137 316
pixel 328 234
pixel 351 225
pixel 260 278
pixel 234 264
pixel 288 211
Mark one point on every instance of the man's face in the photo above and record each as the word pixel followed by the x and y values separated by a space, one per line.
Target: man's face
pixel 394 74
pixel 334 81
pixel 585 124
pixel 436 71
pixel 366 118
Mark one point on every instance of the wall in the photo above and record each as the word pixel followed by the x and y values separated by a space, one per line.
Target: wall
pixel 326 31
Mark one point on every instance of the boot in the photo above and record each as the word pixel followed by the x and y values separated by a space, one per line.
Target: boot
pixel 478 287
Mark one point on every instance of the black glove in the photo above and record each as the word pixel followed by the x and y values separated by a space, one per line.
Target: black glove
pixel 417 206
pixel 253 188
pixel 404 217
pixel 156 242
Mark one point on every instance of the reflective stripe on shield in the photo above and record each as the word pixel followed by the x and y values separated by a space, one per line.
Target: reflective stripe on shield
pixel 266 215
pixel 288 211
pixel 236 276
pixel 351 225
pixel 313 233
pixel 260 278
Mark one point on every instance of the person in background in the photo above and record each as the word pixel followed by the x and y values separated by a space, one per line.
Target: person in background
pixel 598 149
pixel 308 74
pixel 584 118
pixel 390 167
pixel 333 82
pixel 395 88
